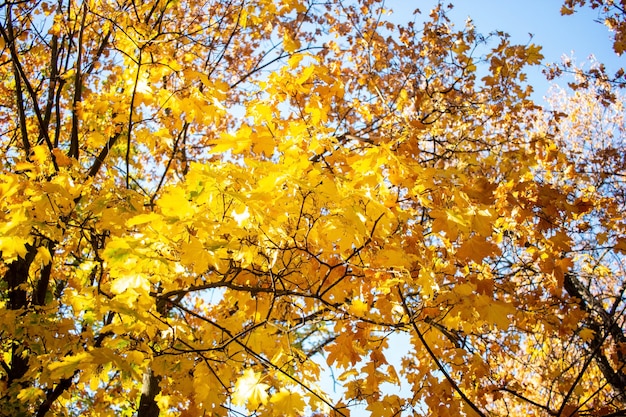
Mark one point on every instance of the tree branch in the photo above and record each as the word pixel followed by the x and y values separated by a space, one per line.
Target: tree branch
pixel 78 88
pixel 443 370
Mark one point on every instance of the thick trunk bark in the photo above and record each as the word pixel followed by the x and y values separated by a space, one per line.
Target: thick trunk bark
pixel 16 277
pixel 147 405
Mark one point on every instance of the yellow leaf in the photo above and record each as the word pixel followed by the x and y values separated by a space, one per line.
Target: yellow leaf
pixel 497 313
pixel 482 222
pixel 69 364
pixel 234 143
pixel 297 5
pixel 306 74
pixel 294 60
pixel 40 155
pixel 261 112
pixel 347 374
pixel 388 406
pixel 533 56
pixel 358 307
pixel 290 44
pixel 117 249
pixel 61 159
pixel 204 381
pixel 476 249
pixel 44 255
pixel 264 144
pixel 586 334
pixel 31 395
pixel 395 256
pixel 464 290
pixel 142 219
pixel 288 402
pixel 249 389
pixel 175 203
pixel 130 281
pixel 11 247
pixel 458 218
pixel 243 18
pixel 135 357
pixel 195 255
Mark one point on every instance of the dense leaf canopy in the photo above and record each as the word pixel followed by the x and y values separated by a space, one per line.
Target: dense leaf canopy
pixel 205 205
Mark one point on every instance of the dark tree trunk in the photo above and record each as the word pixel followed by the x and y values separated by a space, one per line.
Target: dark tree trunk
pixel 16 277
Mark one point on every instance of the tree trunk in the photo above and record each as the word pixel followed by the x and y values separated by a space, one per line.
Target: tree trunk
pixel 148 406
pixel 16 277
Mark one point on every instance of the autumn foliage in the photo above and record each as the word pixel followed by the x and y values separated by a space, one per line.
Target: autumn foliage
pixel 205 205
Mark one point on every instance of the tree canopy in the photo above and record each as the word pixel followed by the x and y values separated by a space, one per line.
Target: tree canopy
pixel 204 205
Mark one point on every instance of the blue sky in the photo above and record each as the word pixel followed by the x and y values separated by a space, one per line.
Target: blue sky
pixel 577 35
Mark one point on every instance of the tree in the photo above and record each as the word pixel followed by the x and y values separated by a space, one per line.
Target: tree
pixel 611 13
pixel 202 202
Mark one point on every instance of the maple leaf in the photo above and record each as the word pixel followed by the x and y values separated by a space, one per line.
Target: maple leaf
pixel 586 334
pixel 477 248
pixel 533 56
pixel 289 402
pixel 358 307
pixel 195 255
pixel 249 390
pixel 69 365
pixel 620 245
pixel 134 282
pixel 498 313
pixel 12 247
pixel 387 406
pixel 290 43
